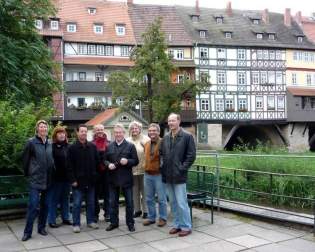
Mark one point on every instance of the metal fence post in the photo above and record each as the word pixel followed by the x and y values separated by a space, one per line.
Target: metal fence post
pixel 218 179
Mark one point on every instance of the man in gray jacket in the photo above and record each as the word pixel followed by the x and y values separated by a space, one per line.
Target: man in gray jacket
pixel 178 153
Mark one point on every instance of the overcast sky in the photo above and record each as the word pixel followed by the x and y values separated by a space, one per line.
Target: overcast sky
pixel 306 6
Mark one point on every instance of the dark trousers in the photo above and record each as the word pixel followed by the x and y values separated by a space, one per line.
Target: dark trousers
pixel 37 206
pixel 114 204
pixel 102 193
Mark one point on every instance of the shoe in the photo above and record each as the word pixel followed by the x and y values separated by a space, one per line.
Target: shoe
pixel 26 237
pixel 67 222
pixel 53 225
pixel 137 214
pixel 184 233
pixel 111 227
pixel 76 229
pixel 131 228
pixel 93 225
pixel 161 223
pixel 148 222
pixel 107 218
pixel 145 215
pixel 42 232
pixel 174 230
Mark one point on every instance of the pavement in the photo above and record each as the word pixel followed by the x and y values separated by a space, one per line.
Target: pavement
pixel 229 233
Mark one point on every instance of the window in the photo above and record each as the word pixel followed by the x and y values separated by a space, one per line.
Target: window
pixel 259 36
pixel 228 35
pixel 204 105
pixel 278 55
pixel 242 104
pixel 109 50
pixel 203 53
pixel 124 51
pixel 221 53
pixel 300 39
pixel 259 54
pixel 272 55
pixel 271 77
pixel 54 24
pixel 280 101
pixel 180 78
pixel 241 54
pixel 92 49
pixel 82 49
pixel 100 50
pixel 265 54
pixel 308 79
pixel 120 30
pixel 229 104
pixel 259 102
pixel 119 101
pixel 271 36
pixel 81 102
pixel 39 24
pixel 241 78
pixel 204 76
pixel 99 76
pixel 71 27
pixel 202 33
pixel 263 78
pixel 219 105
pixel 176 53
pixel 195 18
pixel 255 21
pixel 82 76
pixel 221 76
pixel 293 77
pixel 255 77
pixel 312 100
pixel 219 20
pixel 270 102
pixel 98 28
pixel 279 79
pixel 295 55
pixel 92 10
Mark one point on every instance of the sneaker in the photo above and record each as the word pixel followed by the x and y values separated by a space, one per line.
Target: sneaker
pixel 76 229
pixel 148 222
pixel 93 225
pixel 137 214
pixel 161 223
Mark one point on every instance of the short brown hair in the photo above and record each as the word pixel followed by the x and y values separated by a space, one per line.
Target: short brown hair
pixel 56 130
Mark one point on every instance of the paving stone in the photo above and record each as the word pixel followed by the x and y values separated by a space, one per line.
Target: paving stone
pixel 39 242
pixel 198 238
pixel 220 246
pixel 248 241
pixel 89 246
pixel 52 249
pixel 102 233
pixel 299 244
pixel 274 236
pixel 8 243
pixel 74 238
pixel 274 247
pixel 60 230
pixel 137 248
pixel 5 230
pixel 120 241
pixel 169 244
pixel 150 235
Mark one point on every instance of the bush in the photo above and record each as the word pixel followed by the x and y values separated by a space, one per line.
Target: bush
pixel 16 126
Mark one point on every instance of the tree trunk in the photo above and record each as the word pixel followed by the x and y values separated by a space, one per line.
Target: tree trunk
pixel 150 96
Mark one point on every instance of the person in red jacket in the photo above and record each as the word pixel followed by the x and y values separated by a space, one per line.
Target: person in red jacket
pixel 101 187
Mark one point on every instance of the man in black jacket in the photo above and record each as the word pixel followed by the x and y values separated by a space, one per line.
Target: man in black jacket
pixel 178 153
pixel 38 165
pixel 120 157
pixel 83 161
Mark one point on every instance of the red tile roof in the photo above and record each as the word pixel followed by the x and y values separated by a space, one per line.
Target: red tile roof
pixel 102 117
pixel 301 91
pixel 98 60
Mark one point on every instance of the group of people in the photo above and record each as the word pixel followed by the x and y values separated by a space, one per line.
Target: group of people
pixel 143 168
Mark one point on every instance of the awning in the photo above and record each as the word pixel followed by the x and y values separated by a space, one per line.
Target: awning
pixel 302 91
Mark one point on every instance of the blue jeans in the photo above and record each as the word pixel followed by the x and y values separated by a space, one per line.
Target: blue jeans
pixel 89 194
pixel 59 193
pixel 153 185
pixel 179 206
pixel 114 204
pixel 37 206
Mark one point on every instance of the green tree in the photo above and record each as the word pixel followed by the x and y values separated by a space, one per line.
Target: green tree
pixel 26 67
pixel 149 80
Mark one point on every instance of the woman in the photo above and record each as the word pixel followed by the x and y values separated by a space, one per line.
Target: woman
pixel 139 140
pixel 38 165
pixel 60 188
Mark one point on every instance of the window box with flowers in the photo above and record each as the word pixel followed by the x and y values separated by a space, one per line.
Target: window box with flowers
pixel 82 107
pixel 243 110
pixel 229 110
pixel 97 105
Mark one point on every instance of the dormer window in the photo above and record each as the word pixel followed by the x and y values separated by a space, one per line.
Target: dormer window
pixel 71 27
pixel 228 34
pixel 39 24
pixel 202 33
pixel 300 39
pixel 255 21
pixel 259 35
pixel 195 18
pixel 271 36
pixel 98 28
pixel 219 20
pixel 92 10
pixel 54 25
pixel 120 29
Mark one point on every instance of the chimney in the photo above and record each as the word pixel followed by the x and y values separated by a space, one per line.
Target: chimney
pixel 265 16
pixel 129 2
pixel 298 17
pixel 287 17
pixel 197 7
pixel 229 9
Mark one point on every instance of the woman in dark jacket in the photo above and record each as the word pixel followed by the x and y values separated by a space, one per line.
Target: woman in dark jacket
pixel 59 191
pixel 38 165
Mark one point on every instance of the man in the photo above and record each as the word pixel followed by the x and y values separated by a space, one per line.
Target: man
pixel 178 153
pixel 101 187
pixel 38 165
pixel 120 157
pixel 83 161
pixel 153 179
